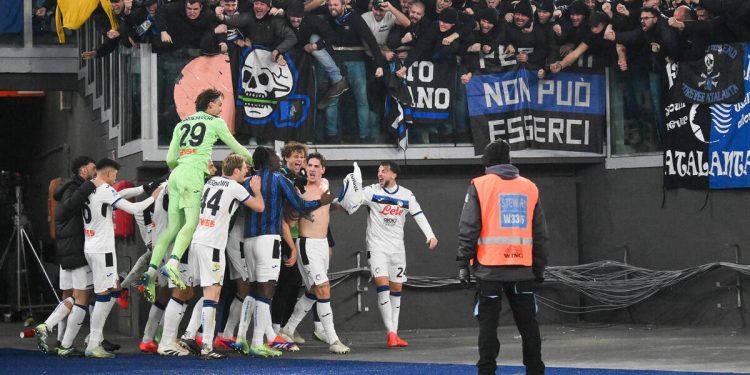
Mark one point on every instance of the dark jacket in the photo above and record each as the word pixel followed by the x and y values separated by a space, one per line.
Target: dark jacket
pixel 735 13
pixel 397 33
pixel 314 25
pixel 471 224
pixel 535 41
pixel 430 46
pixel 185 33
pixel 69 221
pixel 272 32
pixel 350 30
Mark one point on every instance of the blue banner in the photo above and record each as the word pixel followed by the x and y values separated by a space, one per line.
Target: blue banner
pixel 520 89
pixel 564 111
pixel 730 139
pixel 11 16
pixel 708 146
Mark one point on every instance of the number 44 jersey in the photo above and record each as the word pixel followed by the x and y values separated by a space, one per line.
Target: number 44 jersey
pixel 221 198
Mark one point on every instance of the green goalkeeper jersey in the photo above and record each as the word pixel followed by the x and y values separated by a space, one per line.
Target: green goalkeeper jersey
pixel 193 140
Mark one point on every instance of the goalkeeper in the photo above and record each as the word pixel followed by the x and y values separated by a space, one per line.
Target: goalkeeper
pixel 188 157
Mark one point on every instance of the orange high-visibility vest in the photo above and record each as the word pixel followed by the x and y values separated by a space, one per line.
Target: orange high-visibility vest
pixel 507 214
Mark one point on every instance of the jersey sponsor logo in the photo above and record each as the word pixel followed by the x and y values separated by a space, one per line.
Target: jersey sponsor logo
pixel 390 221
pixel 89 233
pixel 188 151
pixel 207 223
pixel 391 210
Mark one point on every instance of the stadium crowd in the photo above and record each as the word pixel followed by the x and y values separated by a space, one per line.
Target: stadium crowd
pixel 357 44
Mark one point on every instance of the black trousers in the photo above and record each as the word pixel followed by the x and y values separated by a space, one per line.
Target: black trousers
pixel 523 304
pixel 287 291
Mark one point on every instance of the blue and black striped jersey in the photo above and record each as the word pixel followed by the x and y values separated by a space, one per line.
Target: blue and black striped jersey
pixel 277 190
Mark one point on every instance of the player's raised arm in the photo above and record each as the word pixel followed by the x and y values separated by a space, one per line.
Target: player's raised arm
pixel 256 202
pixel 223 133
pixel 132 208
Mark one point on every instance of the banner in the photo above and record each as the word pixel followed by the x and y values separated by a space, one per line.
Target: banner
pixel 708 146
pixel 564 111
pixel 273 101
pixel 201 73
pixel 686 154
pixel 717 78
pixel 432 88
pixel 11 17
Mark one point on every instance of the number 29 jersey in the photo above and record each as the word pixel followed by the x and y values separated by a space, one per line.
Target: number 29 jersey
pixel 193 140
pixel 221 198
pixel 387 216
pixel 98 228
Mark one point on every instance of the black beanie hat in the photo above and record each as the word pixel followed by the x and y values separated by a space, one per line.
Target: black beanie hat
pixel 598 17
pixel 449 15
pixel 524 7
pixel 578 7
pixel 489 14
pixel 546 5
pixel 497 152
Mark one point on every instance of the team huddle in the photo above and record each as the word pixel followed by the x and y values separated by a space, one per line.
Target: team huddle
pixel 277 243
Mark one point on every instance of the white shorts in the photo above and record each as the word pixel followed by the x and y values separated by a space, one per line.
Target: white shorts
pixel 79 278
pixel 263 257
pixel 104 270
pixel 236 256
pixel 187 271
pixel 392 265
pixel 313 260
pixel 208 265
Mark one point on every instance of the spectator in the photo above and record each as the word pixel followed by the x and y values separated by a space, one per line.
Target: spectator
pixel 381 19
pixel 264 29
pixel 183 25
pixel 735 14
pixel 504 8
pixel 545 21
pixel 625 14
pixel 655 33
pixel 401 39
pixel 121 10
pixel 594 44
pixel 489 41
pixel 571 31
pixel 692 42
pixel 142 25
pixel 314 36
pixel 442 43
pixel 352 38
pixel 528 42
pixel 707 25
pixel 220 38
